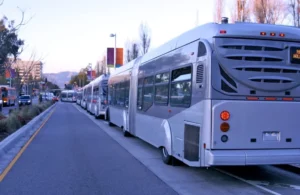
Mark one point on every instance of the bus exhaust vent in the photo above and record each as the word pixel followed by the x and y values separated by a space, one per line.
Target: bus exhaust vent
pixel 252 48
pixel 268 70
pixel 271 80
pixel 255 58
pixel 191 142
pixel 230 85
pixel 200 70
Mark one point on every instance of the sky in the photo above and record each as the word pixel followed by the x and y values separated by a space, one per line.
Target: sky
pixel 69 34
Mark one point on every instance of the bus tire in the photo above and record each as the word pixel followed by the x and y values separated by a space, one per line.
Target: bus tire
pixel 167 159
pixel 126 133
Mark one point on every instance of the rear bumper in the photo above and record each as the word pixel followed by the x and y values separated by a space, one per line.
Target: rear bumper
pixel 252 157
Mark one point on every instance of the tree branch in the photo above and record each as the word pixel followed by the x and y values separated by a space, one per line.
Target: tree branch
pixel 22 22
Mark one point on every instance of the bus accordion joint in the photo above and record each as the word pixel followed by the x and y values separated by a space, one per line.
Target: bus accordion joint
pixel 225 115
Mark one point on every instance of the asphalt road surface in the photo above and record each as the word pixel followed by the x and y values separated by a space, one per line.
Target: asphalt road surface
pixel 71 155
pixel 76 154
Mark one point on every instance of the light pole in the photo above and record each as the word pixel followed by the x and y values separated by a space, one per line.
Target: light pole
pixel 115 51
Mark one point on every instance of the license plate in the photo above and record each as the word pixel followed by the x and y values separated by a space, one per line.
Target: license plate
pixel 271 136
pixel 295 55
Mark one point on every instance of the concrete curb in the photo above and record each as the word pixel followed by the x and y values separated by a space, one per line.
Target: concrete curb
pixel 11 145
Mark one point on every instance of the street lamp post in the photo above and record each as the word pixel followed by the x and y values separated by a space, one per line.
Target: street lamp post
pixel 115 51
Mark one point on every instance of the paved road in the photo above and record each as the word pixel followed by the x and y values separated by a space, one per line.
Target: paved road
pixel 5 110
pixel 72 155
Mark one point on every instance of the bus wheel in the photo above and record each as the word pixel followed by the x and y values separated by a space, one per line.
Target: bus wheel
pixel 126 133
pixel 165 156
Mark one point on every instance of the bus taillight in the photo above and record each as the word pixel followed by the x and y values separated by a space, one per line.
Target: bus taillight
pixel 224 127
pixel 288 99
pixel 222 31
pixel 225 115
pixel 263 33
pixel 273 34
pixel 281 34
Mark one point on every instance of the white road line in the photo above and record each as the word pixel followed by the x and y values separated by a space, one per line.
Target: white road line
pixel 248 182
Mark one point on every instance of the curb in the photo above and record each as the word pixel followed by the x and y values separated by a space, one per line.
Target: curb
pixel 12 144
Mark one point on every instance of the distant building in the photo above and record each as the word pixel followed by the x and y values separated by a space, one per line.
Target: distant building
pixel 28 68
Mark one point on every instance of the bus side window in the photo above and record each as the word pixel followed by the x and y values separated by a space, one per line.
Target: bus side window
pixel 162 88
pixel 181 87
pixel 140 94
pixel 148 93
pixel 201 49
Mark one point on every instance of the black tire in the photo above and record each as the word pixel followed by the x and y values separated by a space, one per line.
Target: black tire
pixel 126 133
pixel 167 159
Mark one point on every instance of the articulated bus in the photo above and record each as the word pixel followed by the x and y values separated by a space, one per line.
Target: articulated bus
pixel 217 95
pixel 96 94
pixel 9 95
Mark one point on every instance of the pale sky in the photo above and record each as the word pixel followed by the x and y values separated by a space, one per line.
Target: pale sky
pixel 69 34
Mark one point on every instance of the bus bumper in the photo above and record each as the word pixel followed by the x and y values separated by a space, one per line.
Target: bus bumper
pixel 252 157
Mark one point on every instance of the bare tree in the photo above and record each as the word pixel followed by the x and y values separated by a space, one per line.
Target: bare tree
pixel 219 9
pixel 294 9
pixel 269 11
pixel 241 11
pixel 25 70
pixel 145 38
pixel 132 50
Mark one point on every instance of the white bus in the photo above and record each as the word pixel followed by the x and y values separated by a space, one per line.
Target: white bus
pixel 68 96
pixel 95 96
pixel 219 94
pixel 99 96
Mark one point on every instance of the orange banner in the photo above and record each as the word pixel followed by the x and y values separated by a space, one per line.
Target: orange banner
pixel 119 57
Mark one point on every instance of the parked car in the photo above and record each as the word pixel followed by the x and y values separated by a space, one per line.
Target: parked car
pixel 25 100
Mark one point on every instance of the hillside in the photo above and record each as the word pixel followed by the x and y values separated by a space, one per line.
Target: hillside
pixel 60 78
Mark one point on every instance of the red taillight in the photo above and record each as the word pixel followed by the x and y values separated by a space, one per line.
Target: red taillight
pixel 273 34
pixel 288 99
pixel 263 33
pixel 225 115
pixel 270 98
pixel 222 31
pixel 252 98
pixel 281 34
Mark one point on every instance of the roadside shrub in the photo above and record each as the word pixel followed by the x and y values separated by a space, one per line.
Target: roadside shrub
pixel 19 117
pixel 13 123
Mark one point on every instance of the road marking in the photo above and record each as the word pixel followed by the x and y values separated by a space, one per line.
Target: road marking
pixel 248 182
pixel 11 164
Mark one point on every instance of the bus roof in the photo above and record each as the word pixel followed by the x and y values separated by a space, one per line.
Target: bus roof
pixel 210 30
